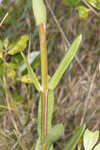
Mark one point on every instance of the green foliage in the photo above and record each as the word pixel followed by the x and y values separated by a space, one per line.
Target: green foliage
pixel 32 75
pixel 54 134
pixel 38 144
pixel 18 46
pixel 75 138
pixel 94 3
pixel 71 2
pixel 83 11
pixel 39 11
pixel 65 63
pixel 90 139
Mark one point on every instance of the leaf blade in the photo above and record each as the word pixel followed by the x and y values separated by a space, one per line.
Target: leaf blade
pixel 32 74
pixel 65 63
pixel 75 139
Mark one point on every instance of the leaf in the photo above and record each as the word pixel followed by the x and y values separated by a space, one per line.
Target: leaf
pixel 30 58
pixel 71 2
pixel 18 46
pixel 25 79
pixel 39 126
pixel 90 139
pixel 65 63
pixel 75 138
pixel 49 112
pixel 1 49
pixel 97 147
pixel 50 109
pixel 54 134
pixel 32 74
pixel 38 144
pixel 39 11
pixel 94 3
pixel 83 11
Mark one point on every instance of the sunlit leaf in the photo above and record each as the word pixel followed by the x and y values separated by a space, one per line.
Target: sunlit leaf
pixel 83 11
pixel 94 3
pixel 90 139
pixel 32 75
pixel 65 63
pixel 75 138
pixel 18 46
pixel 1 49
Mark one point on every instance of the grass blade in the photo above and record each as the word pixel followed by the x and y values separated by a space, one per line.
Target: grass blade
pixel 32 74
pixel 75 139
pixel 65 62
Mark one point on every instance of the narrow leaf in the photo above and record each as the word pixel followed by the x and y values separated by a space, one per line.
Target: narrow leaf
pixel 38 144
pixel 54 134
pixel 32 75
pixel 50 109
pixel 97 147
pixel 90 139
pixel 75 138
pixel 65 63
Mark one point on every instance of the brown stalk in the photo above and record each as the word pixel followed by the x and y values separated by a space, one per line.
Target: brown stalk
pixel 44 73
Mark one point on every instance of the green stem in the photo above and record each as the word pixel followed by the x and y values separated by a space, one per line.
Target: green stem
pixel 44 73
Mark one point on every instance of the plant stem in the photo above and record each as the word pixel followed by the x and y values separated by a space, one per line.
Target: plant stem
pixel 44 73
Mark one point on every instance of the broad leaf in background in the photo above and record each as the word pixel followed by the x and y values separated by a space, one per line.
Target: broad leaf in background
pixel 65 63
pixel 18 46
pixel 94 3
pixel 97 147
pixel 54 134
pixel 75 138
pixel 90 139
pixel 32 74
pixel 83 11
pixel 71 2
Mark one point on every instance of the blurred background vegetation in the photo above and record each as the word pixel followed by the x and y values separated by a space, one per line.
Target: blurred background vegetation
pixel 78 94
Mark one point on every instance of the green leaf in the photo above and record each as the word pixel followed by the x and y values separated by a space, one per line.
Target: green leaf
pixel 32 75
pixel 75 138
pixel 54 134
pixel 71 2
pixel 94 3
pixel 25 79
pixel 49 112
pixel 18 46
pixel 39 126
pixel 1 49
pixel 83 11
pixel 39 10
pixel 38 144
pixel 65 63
pixel 90 139
pixel 30 58
pixel 97 147
pixel 50 109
